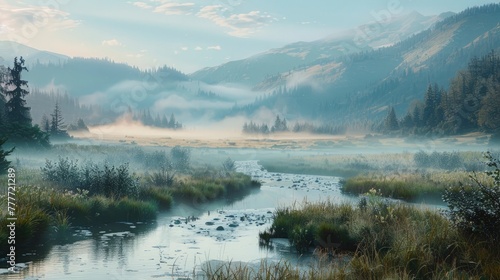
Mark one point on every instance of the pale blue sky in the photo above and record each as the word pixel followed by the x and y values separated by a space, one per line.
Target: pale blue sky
pixel 191 34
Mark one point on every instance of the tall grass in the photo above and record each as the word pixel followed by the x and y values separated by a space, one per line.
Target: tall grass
pixel 45 208
pixel 409 186
pixel 47 211
pixel 386 240
pixel 207 188
pixel 273 271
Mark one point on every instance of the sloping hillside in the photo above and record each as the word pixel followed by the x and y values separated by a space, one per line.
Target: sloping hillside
pixel 363 84
pixel 253 70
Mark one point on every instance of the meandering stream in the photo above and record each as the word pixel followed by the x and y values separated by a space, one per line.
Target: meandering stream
pixel 183 239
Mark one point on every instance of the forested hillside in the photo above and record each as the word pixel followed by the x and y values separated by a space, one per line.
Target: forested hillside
pixel 363 85
pixel 472 103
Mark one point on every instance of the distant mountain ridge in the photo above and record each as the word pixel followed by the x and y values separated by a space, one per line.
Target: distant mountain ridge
pixel 256 68
pixel 365 84
pixel 329 79
pixel 9 50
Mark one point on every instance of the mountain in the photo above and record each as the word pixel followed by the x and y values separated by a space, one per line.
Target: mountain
pixel 362 85
pixel 85 76
pixel 365 38
pixel 9 50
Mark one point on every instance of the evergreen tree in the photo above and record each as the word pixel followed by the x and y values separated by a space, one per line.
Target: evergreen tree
pixel 489 114
pixel 164 121
pixel 417 119
pixel 4 163
pixel 45 124
pixel 57 124
pixel 391 121
pixel 80 125
pixel 264 129
pixel 430 100
pixel 17 112
pixel 3 128
pixel 407 122
pixel 17 126
pixel 172 122
pixel 279 125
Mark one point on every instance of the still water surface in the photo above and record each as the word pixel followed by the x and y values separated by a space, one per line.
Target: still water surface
pixel 183 239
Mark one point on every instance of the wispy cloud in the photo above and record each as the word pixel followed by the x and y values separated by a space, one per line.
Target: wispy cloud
pixel 167 7
pixel 240 25
pixel 171 8
pixel 24 17
pixel 142 5
pixel 112 43
pixel 178 102
pixel 215 48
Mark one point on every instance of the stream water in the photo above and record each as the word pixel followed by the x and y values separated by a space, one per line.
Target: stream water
pixel 181 241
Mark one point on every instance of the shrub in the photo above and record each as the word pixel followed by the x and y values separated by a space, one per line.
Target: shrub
pixel 162 178
pixel 157 160
pixel 162 196
pixel 228 165
pixel 302 238
pixel 476 210
pixel 109 181
pixel 64 171
pixel 444 160
pixel 180 158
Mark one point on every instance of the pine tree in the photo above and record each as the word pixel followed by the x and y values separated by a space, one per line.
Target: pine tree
pixel 80 124
pixel 17 112
pixel 172 122
pixel 391 121
pixel 428 116
pixel 417 119
pixel 45 124
pixel 277 124
pixel 3 128
pixel 18 127
pixel 57 124
pixel 164 121
pixel 4 163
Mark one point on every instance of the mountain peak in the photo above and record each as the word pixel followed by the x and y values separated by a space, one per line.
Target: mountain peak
pixel 10 49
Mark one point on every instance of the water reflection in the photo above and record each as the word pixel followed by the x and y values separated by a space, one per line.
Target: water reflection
pixel 175 246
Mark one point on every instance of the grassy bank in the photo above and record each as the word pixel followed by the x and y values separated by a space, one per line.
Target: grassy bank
pixel 347 165
pixel 199 189
pixel 428 186
pixel 385 241
pixel 422 176
pixel 47 208
pixel 45 211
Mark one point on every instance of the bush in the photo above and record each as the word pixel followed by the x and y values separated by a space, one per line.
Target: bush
pixel 228 165
pixel 64 171
pixel 162 178
pixel 444 160
pixel 110 181
pixel 476 209
pixel 180 158
pixel 302 238
pixel 162 196
pixel 157 160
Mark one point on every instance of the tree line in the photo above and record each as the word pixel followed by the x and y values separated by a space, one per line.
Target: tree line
pixel 280 125
pixel 16 123
pixel 472 103
pixel 146 118
pixel 254 128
